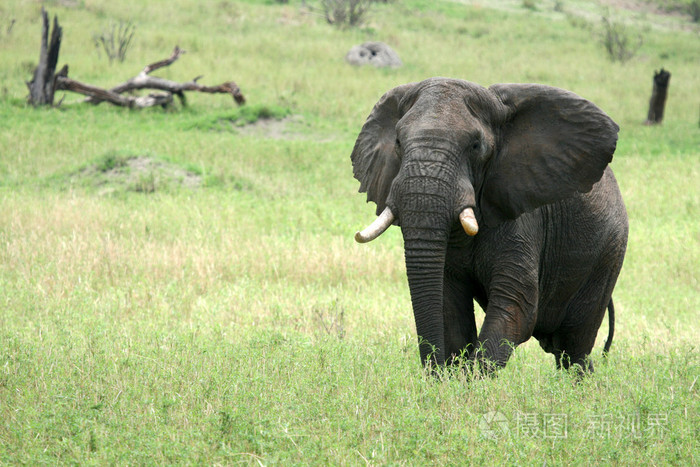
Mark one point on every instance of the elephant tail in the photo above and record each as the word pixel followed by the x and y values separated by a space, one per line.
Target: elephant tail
pixel 611 327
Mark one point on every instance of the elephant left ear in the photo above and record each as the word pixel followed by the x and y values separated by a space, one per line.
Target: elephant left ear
pixel 374 159
pixel 553 144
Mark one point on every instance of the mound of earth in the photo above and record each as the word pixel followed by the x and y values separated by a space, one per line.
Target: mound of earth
pixel 291 127
pixel 373 53
pixel 275 128
pixel 135 173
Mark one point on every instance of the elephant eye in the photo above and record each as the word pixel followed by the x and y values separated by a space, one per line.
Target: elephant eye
pixel 476 145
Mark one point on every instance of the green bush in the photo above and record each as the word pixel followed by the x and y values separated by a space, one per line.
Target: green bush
pixel 345 13
pixel 620 42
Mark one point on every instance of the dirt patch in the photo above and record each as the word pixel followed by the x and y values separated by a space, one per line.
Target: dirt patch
pixel 268 127
pixel 290 127
pixel 143 174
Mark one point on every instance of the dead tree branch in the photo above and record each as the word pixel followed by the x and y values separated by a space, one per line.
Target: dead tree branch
pixel 46 81
pixel 145 81
pixel 64 83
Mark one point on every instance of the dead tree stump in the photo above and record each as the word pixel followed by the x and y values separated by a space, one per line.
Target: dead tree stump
pixel 658 97
pixel 43 84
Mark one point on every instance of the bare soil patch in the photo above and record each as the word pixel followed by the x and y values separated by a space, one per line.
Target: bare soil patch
pixel 135 173
pixel 275 128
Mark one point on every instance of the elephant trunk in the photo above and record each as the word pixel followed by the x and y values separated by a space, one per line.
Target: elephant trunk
pixel 425 266
pixel 425 223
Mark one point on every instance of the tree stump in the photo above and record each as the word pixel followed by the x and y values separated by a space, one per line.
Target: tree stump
pixel 658 97
pixel 43 84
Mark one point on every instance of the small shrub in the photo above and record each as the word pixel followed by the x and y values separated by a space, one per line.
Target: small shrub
pixel 115 41
pixel 344 13
pixel 331 319
pixel 694 10
pixel 579 22
pixel 530 5
pixel 8 30
pixel 145 183
pixel 253 113
pixel 110 161
pixel 618 40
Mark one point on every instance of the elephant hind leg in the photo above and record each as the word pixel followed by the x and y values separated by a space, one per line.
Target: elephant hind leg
pixel 575 339
pixel 581 362
pixel 577 333
pixel 557 343
pixel 572 345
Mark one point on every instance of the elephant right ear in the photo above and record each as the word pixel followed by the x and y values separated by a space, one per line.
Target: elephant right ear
pixel 374 158
pixel 554 144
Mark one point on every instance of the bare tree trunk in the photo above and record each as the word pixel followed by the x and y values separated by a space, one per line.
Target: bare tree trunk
pixel 43 84
pixel 658 97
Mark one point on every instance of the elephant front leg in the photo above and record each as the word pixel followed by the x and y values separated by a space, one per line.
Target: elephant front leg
pixel 459 321
pixel 510 320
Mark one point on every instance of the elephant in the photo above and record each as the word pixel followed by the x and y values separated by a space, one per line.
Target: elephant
pixel 504 196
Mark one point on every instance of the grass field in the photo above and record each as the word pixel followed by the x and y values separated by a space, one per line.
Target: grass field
pixel 179 288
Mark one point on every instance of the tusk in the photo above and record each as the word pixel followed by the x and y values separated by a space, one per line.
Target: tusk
pixel 376 228
pixel 468 221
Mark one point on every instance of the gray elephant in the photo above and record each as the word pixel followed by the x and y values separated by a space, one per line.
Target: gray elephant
pixel 503 196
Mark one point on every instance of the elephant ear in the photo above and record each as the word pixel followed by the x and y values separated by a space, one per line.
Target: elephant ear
pixel 553 144
pixel 375 161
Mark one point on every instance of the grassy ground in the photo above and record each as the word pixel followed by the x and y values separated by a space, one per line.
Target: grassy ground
pixel 233 319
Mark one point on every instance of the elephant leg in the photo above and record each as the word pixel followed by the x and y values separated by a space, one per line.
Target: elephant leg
pixel 584 315
pixel 585 311
pixel 510 319
pixel 460 324
pixel 554 343
pixel 575 346
pixel 579 364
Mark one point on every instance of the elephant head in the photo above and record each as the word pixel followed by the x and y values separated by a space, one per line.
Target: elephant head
pixel 446 159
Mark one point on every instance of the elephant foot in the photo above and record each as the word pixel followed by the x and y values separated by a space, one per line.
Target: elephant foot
pixel 581 366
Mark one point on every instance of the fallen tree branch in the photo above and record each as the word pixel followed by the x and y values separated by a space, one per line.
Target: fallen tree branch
pixel 64 83
pixel 145 81
pixel 45 81
pixel 177 51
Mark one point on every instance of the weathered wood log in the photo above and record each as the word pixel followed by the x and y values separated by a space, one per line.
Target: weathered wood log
pixel 46 82
pixel 145 81
pixel 659 92
pixel 64 83
pixel 43 84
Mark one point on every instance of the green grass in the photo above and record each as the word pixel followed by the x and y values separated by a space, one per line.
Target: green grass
pixel 238 322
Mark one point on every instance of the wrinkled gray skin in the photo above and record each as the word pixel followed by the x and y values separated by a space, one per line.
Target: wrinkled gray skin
pixel 532 162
